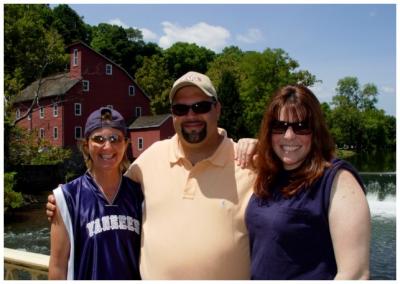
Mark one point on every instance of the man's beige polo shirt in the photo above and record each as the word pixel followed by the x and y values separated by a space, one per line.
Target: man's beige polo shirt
pixel 193 224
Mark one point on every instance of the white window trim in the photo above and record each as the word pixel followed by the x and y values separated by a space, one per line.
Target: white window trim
pixel 138 111
pixel 75 57
pixel 140 141
pixel 86 87
pixel 109 69
pixel 133 92
pixel 55 110
pixel 30 116
pixel 80 109
pixel 41 112
pixel 41 133
pixel 80 130
pixel 55 131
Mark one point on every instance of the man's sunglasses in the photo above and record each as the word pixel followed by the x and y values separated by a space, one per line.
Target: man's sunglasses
pixel 198 108
pixel 100 139
pixel 299 128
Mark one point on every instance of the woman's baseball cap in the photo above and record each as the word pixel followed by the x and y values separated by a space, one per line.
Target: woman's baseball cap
pixel 105 117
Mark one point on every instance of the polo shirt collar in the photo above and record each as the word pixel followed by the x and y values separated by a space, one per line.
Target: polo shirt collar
pixel 219 158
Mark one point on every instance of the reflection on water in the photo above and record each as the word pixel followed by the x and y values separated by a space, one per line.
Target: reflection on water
pixel 381 195
pixel 383 248
pixel 30 230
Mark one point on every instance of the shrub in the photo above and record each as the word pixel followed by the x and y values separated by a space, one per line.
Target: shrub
pixel 12 199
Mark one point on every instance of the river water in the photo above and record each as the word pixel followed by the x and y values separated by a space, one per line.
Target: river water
pixel 29 230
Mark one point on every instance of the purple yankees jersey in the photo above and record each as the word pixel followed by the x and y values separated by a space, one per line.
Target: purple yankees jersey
pixel 104 237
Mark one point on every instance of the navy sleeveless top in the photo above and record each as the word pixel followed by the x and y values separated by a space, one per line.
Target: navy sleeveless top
pixel 106 237
pixel 290 238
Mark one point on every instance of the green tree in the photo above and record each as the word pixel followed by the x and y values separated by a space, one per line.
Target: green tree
pixel 183 57
pixel 355 119
pixel 124 46
pixel 111 41
pixel 25 148
pixel 33 48
pixel 232 107
pixel 12 199
pixel 349 92
pixel 153 77
pixel 227 61
pixel 264 73
pixel 70 25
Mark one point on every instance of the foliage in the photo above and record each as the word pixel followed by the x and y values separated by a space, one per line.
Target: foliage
pixel 355 121
pixel 184 57
pixel 263 73
pixel 25 148
pixel 228 61
pixel 33 47
pixel 34 39
pixel 232 107
pixel 345 154
pixel 156 82
pixel 70 25
pixel 12 199
pixel 349 93
pixel 124 46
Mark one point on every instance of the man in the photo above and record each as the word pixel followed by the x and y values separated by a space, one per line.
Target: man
pixel 195 194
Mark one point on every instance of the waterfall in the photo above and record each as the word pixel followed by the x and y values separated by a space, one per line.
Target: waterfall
pixel 382 208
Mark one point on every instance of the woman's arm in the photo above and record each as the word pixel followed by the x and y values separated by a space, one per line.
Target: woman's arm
pixel 350 226
pixel 60 246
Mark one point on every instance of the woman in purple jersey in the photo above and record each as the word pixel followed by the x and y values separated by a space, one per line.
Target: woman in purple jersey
pixel 308 217
pixel 96 231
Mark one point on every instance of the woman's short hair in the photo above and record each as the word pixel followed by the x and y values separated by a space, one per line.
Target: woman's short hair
pixel 299 103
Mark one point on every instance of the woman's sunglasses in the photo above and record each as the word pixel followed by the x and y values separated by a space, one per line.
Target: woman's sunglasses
pixel 113 139
pixel 299 128
pixel 198 108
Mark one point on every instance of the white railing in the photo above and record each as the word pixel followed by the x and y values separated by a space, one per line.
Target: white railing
pixel 22 265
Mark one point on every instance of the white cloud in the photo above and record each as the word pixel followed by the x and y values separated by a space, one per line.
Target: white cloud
pixel 148 35
pixel 388 89
pixel 202 34
pixel 118 22
pixel 252 36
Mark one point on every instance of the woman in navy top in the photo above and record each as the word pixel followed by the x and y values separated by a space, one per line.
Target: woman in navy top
pixel 96 230
pixel 308 217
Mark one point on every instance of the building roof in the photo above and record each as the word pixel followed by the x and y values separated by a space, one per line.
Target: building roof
pixel 51 86
pixel 149 121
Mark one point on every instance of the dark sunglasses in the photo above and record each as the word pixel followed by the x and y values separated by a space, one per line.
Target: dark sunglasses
pixel 199 108
pixel 100 139
pixel 299 128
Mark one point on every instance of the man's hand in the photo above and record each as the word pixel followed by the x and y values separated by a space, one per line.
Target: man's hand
pixel 245 151
pixel 51 207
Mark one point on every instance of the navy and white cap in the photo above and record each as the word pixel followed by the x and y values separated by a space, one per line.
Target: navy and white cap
pixel 105 117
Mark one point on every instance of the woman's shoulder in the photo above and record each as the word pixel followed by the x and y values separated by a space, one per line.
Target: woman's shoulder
pixel 132 187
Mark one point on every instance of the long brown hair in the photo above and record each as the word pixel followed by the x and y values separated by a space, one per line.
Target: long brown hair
pixel 301 104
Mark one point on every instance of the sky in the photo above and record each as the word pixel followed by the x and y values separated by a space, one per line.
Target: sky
pixel 331 41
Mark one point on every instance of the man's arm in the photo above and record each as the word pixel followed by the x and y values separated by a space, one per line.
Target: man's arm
pixel 244 152
pixel 51 207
